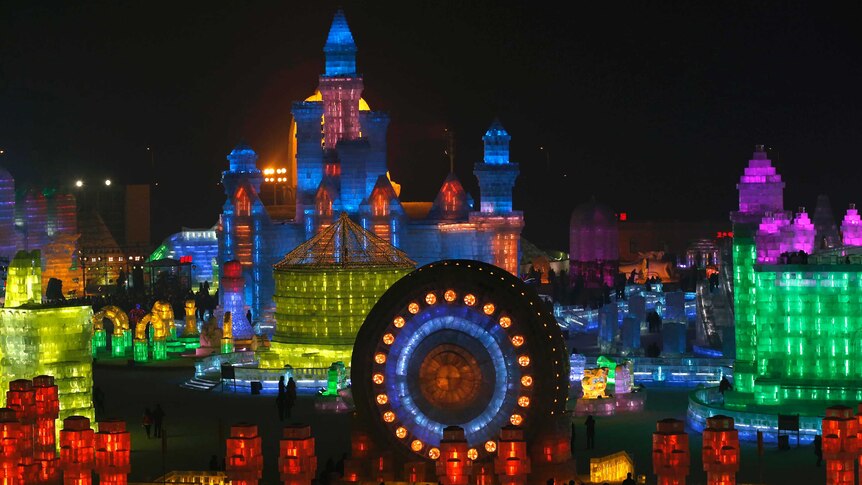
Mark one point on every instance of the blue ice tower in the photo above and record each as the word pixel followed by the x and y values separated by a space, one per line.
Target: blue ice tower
pixel 496 174
pixel 340 49
pixel 309 153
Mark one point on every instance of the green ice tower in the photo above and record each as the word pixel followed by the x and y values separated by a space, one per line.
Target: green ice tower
pixel 761 191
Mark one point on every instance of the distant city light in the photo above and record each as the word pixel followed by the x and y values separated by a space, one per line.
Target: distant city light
pixel 79 183
pixel 108 182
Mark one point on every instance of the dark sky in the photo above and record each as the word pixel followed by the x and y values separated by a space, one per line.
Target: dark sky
pixel 653 107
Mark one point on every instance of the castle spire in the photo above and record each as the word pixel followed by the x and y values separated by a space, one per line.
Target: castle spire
pixel 340 49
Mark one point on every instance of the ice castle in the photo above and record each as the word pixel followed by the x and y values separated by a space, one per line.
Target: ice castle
pixel 340 167
pixel 797 297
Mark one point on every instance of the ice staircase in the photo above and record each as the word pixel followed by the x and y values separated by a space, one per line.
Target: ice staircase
pixel 200 383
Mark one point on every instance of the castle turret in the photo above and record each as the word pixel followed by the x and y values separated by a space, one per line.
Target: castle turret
pixel 761 192
pixel 851 227
pixel 496 173
pixel 309 156
pixel 341 87
pixel 242 166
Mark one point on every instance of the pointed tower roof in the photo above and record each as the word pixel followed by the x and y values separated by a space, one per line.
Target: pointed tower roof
pixel 345 245
pixel 340 49
pixel 451 201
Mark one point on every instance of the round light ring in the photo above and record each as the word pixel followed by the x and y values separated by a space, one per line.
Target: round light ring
pixel 388 338
pixel 389 416
pixel 413 308
pixel 417 445
pixel 401 432
pixel 434 453
pixel 489 308
pixel 472 453
pixel 516 419
pixel 518 340
pixel 526 381
pixel 380 358
pixel 377 378
pixel 524 401
pixel 398 321
pixel 430 298
pixel 382 399
pixel 490 446
pixel 469 299
pixel 524 361
pixel 505 322
pixel 450 296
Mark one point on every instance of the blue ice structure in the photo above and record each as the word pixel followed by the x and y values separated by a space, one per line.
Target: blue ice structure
pixel 198 245
pixel 341 166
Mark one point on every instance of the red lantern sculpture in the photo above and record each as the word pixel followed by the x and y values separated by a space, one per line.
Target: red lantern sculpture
pixel 297 463
pixel 720 451
pixel 670 453
pixel 22 398
pixel 414 471
pixel 113 447
pixel 244 455
pixel 10 450
pixel 77 451
pixel 840 444
pixel 356 468
pixel 512 464
pixel 383 467
pixel 454 466
pixel 483 473
pixel 47 412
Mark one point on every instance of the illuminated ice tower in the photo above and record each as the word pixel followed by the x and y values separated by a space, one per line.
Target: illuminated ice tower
pixel 761 193
pixel 851 227
pixel 242 222
pixel 340 87
pixel 496 175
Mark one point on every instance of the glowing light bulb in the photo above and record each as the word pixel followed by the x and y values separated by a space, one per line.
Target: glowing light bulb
pixel 401 432
pixel 449 296
pixel 488 308
pixel 490 446
pixel 505 322
pixel 434 453
pixel 523 361
pixel 382 399
pixel 524 401
pixel 388 338
pixel 413 308
pixel 389 416
pixel 380 358
pixel 430 298
pixel 377 378
pixel 472 453
pixel 469 299
pixel 518 340
pixel 417 445
pixel 526 381
pixel 516 419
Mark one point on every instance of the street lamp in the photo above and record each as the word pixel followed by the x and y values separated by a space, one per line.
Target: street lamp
pixel 108 182
pixel 79 183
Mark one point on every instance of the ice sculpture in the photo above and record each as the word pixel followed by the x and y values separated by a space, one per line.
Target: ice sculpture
pixel 798 235
pixel 24 280
pixel 233 291
pixel 851 227
pixel 161 317
pixel 121 336
pixel 624 378
pixel 594 383
pixel 227 333
pixel 577 362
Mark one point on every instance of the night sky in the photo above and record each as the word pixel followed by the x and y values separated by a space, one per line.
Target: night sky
pixel 653 107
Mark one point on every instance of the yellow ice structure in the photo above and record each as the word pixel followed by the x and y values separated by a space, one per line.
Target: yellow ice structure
pixel 160 317
pixel 323 291
pixel 24 281
pixel 116 315
pixel 594 383
pixel 50 341
pixel 191 319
